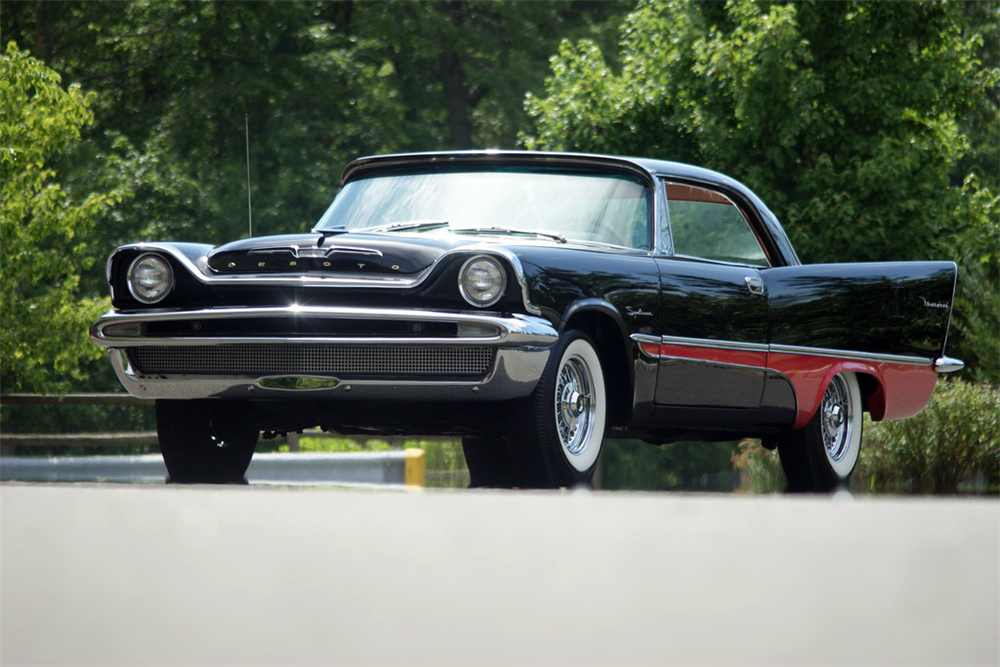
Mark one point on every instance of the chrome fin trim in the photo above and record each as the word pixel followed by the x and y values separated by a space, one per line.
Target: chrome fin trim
pixel 948 365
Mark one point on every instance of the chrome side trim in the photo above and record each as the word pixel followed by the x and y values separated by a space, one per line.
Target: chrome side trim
pixel 945 362
pixel 313 280
pixel 851 354
pixel 715 344
pixel 948 365
pixel 645 338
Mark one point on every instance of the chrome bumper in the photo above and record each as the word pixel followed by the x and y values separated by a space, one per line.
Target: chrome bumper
pixel 521 344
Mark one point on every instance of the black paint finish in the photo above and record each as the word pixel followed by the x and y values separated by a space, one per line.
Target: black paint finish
pixel 900 309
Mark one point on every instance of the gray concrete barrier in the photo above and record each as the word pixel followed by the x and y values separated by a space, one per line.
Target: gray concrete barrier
pixel 393 467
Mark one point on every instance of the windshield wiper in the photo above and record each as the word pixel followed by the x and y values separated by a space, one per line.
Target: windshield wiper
pixel 399 226
pixel 510 230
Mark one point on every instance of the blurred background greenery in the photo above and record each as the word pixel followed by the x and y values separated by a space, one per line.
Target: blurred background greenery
pixel 872 129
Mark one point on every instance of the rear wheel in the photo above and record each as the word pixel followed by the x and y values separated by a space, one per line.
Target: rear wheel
pixel 205 441
pixel 821 456
pixel 556 434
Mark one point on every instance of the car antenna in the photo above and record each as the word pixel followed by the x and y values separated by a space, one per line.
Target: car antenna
pixel 246 127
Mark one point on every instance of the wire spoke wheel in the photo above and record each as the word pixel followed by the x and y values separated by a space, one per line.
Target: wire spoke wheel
pixel 556 435
pixel 836 427
pixel 822 455
pixel 573 409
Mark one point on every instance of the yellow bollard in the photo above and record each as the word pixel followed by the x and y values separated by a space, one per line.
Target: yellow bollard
pixel 415 467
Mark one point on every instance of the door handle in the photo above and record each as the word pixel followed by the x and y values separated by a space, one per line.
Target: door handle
pixel 754 284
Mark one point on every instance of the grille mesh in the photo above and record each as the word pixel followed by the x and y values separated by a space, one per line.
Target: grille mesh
pixel 336 360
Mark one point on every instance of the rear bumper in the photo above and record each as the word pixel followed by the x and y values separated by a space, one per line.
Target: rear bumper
pixel 349 367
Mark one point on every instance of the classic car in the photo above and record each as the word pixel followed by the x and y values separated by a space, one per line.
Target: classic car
pixel 533 304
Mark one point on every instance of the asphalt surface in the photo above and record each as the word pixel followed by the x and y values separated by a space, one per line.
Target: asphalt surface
pixel 110 574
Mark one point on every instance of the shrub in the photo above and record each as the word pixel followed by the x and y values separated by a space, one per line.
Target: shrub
pixel 953 445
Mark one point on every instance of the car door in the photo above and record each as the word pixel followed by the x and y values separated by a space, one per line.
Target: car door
pixel 713 306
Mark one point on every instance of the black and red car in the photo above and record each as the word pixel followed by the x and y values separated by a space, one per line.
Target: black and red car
pixel 533 304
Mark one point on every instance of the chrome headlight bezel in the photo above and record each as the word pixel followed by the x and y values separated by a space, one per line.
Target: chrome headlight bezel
pixel 165 282
pixel 482 281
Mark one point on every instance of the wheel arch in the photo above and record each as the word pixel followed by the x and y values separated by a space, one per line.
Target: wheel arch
pixel 605 325
pixel 872 392
pixel 870 382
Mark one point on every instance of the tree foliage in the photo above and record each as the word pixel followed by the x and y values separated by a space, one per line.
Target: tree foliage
pixel 318 84
pixel 43 229
pixel 846 117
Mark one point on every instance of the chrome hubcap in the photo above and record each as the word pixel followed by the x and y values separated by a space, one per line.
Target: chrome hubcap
pixel 574 415
pixel 836 419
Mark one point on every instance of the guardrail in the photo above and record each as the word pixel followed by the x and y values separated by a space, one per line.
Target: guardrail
pixel 396 467
pixel 400 466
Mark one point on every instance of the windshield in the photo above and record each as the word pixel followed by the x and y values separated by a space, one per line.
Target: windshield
pixel 580 206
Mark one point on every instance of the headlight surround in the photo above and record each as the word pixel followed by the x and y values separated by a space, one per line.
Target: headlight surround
pixel 150 278
pixel 482 281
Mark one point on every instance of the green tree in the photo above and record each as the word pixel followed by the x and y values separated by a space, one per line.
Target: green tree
pixel 461 68
pixel 43 229
pixel 319 83
pixel 846 117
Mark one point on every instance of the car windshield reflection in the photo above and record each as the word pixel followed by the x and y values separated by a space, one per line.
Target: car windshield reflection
pixel 579 206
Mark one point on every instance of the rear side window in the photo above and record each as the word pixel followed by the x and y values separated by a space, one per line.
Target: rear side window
pixel 708 225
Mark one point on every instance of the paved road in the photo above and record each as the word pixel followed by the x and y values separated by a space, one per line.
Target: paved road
pixel 256 575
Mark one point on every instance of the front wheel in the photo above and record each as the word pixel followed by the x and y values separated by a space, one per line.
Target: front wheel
pixel 556 434
pixel 822 455
pixel 204 441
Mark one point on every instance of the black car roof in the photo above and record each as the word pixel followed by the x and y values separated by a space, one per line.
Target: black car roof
pixel 645 165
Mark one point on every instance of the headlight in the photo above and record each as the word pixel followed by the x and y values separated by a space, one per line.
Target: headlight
pixel 482 281
pixel 150 278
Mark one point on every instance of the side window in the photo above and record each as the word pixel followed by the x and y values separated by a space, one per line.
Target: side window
pixel 709 225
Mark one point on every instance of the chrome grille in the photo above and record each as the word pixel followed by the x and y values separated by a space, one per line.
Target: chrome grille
pixel 335 360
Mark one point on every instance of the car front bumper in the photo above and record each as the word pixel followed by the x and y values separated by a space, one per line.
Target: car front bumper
pixel 481 357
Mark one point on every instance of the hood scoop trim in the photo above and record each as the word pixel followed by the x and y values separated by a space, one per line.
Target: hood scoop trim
pixel 315 252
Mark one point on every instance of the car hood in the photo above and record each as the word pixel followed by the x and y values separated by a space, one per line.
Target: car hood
pixel 385 254
pixel 367 253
